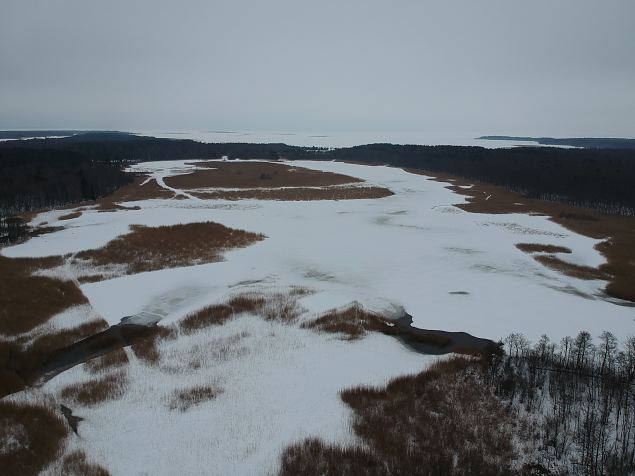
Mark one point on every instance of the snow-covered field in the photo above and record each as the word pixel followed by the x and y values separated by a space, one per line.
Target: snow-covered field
pixel 280 383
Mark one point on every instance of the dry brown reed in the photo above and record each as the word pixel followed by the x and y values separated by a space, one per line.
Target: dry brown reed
pixel 114 359
pixel 97 390
pixel 27 301
pixel 440 421
pixel 570 269
pixel 76 463
pixel 256 175
pixel 152 248
pixel 353 322
pixel 298 194
pixel 31 438
pixel 146 346
pixel 273 307
pixel 183 400
pixel 540 248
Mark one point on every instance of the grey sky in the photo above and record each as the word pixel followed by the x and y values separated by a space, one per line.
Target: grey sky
pixel 553 67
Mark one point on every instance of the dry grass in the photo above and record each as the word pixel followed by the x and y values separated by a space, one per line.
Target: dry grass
pixel 70 216
pixel 31 437
pixel 183 400
pixel 256 175
pixel 214 315
pixel 97 390
pixel 145 346
pixel 273 307
pixel 27 301
pixel 298 194
pixel 77 464
pixel 573 270
pixel 618 231
pixel 353 322
pixel 60 339
pixel 152 248
pixel 114 359
pixel 540 248
pixel 441 421
pixel 313 457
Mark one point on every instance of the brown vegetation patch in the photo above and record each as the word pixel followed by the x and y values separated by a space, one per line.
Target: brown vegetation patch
pixel 152 248
pixel 66 337
pixel 256 175
pixel 272 307
pixel 298 194
pixel 77 464
pixel 573 270
pixel 618 231
pixel 183 400
pixel 140 189
pixel 145 346
pixel 440 421
pixel 116 358
pixel 214 315
pixel 354 322
pixel 27 301
pixel 540 248
pixel 70 216
pixel 97 390
pixel 30 438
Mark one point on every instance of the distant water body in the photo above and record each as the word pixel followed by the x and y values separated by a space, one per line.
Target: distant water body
pixel 302 139
pixel 318 139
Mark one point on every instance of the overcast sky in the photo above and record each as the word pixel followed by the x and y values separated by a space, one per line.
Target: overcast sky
pixel 539 67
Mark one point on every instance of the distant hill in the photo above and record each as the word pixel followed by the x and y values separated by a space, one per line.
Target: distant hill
pixel 585 142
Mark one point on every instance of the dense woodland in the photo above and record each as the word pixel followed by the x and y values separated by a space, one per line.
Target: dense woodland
pixel 31 179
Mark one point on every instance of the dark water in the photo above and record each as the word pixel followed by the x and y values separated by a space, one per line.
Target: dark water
pixel 436 342
pixel 113 338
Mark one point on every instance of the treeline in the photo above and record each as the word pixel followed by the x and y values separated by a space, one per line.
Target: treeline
pixel 577 398
pixel 603 179
pixel 31 179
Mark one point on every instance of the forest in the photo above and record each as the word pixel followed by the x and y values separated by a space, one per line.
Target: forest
pixel 577 398
pixel 602 179
pixel 31 179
